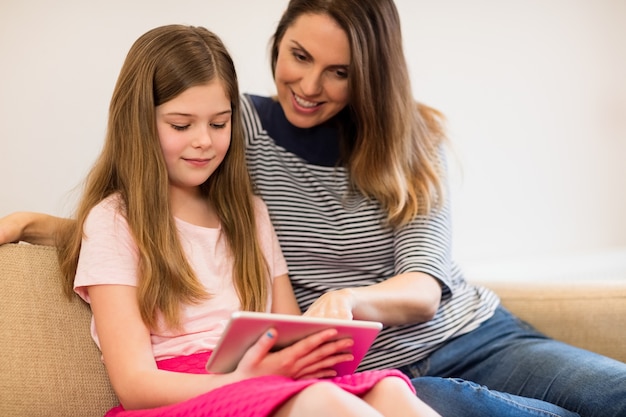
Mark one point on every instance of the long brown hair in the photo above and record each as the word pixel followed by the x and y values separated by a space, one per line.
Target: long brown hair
pixel 160 65
pixel 391 143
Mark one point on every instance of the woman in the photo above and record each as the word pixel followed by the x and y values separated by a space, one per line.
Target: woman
pixel 353 175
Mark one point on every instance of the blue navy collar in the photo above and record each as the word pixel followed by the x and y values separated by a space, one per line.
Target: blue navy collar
pixel 318 145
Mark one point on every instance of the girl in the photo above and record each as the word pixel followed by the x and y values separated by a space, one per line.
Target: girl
pixel 169 240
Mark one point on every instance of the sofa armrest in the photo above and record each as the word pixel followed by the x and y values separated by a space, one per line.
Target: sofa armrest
pixel 590 314
pixel 49 363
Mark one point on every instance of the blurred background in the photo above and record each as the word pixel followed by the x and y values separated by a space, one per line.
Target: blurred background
pixel 534 93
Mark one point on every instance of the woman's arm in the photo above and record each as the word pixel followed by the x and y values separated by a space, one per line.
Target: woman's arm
pixel 412 297
pixel 37 228
pixel 422 257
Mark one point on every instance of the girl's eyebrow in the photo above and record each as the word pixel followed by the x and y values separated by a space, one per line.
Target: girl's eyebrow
pixel 229 111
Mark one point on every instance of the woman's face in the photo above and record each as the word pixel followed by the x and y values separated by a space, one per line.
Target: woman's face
pixel 311 72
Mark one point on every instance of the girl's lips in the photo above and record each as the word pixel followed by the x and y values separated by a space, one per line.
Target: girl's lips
pixel 197 162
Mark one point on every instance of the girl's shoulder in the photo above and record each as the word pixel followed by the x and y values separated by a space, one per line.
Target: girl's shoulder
pixel 109 213
pixel 260 208
pixel 112 204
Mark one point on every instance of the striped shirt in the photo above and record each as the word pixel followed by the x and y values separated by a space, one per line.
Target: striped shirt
pixel 334 238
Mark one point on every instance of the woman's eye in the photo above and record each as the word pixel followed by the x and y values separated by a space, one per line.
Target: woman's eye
pixel 299 56
pixel 179 127
pixel 218 125
pixel 341 74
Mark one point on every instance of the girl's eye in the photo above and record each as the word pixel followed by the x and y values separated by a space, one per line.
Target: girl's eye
pixel 180 128
pixel 222 124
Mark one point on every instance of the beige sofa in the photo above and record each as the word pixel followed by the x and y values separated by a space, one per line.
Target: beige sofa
pixel 49 365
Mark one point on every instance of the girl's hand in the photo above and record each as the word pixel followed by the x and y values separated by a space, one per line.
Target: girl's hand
pixel 311 357
pixel 334 304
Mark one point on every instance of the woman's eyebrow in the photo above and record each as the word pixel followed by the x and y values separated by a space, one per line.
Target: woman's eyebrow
pixel 302 48
pixel 297 45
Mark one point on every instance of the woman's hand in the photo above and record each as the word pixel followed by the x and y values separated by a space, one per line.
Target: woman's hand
pixel 311 357
pixel 333 304
pixel 11 228
pixel 412 297
pixel 37 228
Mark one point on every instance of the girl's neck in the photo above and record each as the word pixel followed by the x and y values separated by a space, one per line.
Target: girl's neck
pixel 190 206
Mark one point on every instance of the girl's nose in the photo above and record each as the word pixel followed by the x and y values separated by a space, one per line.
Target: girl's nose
pixel 203 139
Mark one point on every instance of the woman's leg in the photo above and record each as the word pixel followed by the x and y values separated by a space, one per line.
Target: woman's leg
pixel 507 355
pixel 455 397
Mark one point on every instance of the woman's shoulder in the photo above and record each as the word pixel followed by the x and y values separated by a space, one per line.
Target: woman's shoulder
pixel 263 108
pixel 433 119
pixel 260 102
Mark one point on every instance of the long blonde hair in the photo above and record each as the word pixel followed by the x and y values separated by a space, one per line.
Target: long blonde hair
pixel 391 144
pixel 160 65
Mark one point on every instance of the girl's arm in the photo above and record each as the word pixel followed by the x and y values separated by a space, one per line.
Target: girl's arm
pixel 127 353
pixel 37 228
pixel 283 298
pixel 138 383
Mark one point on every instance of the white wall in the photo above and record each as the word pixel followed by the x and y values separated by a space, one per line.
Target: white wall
pixel 534 92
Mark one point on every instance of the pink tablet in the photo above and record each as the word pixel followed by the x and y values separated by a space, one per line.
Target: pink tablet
pixel 245 328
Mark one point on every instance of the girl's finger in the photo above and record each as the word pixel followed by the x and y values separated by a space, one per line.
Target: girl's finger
pixel 310 343
pixel 323 368
pixel 260 348
pixel 330 349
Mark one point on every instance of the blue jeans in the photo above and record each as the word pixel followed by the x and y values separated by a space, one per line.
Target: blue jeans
pixel 516 371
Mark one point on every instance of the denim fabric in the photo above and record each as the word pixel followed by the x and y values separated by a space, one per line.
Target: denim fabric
pixel 516 371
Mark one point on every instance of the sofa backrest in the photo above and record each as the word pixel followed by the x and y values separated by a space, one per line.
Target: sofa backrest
pixel 49 365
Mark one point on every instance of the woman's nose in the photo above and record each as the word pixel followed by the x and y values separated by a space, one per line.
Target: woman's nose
pixel 311 83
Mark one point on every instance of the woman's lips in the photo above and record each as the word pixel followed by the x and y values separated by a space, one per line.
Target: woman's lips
pixel 303 105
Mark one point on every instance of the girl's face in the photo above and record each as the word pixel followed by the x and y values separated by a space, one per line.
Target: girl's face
pixel 194 132
pixel 311 72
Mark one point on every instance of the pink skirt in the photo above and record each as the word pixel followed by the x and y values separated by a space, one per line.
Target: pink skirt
pixel 256 397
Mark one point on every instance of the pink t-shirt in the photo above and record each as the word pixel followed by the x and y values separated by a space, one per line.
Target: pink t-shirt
pixel 109 256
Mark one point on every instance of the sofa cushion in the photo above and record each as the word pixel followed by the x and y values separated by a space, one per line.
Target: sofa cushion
pixel 48 362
